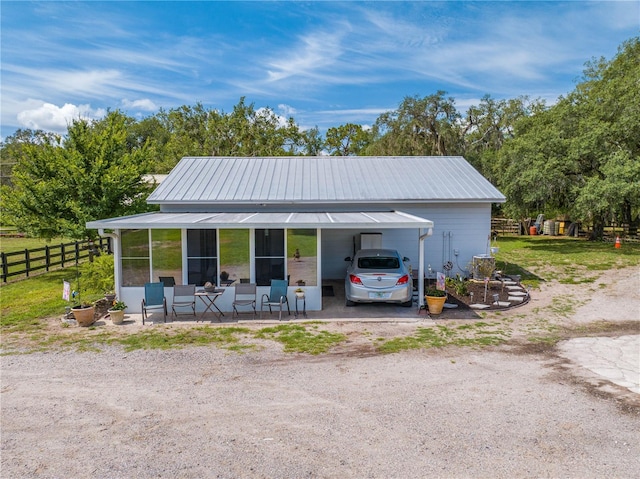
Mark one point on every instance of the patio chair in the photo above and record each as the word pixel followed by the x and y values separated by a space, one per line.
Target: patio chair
pixel 245 295
pixel 184 296
pixel 154 299
pixel 277 297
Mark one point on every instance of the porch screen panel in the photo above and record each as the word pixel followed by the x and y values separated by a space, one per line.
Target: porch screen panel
pixel 166 254
pixel 269 246
pixel 202 260
pixel 302 256
pixel 135 257
pixel 235 257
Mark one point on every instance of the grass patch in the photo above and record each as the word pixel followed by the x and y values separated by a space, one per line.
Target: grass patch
pixel 11 245
pixel 172 339
pixel 24 303
pixel 297 338
pixel 564 259
pixel 479 334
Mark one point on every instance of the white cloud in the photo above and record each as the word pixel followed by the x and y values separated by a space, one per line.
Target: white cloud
pixel 286 110
pixel 50 117
pixel 142 104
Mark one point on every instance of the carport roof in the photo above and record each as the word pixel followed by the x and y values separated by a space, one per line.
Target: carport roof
pixel 324 220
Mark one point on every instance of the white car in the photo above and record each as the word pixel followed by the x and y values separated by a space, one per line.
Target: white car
pixel 378 276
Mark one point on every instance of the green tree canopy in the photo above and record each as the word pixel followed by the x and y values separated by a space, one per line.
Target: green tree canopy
pixel 94 174
pixel 347 140
pixel 581 156
pixel 420 126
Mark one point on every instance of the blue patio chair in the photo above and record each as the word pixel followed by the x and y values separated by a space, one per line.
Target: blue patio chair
pixel 154 299
pixel 277 297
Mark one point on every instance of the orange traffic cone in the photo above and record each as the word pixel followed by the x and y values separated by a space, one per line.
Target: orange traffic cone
pixel 618 245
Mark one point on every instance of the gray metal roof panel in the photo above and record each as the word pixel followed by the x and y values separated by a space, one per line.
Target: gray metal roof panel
pixel 229 180
pixel 157 220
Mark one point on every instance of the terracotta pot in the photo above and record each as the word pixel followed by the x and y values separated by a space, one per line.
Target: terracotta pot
pixel 116 315
pixel 84 316
pixel 435 303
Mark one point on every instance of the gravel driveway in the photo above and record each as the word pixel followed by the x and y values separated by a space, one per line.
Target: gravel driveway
pixel 502 412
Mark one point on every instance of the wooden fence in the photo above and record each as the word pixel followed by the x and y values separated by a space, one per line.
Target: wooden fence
pixel 28 261
pixel 505 226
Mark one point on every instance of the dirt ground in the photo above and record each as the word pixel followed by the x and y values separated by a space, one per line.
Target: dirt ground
pixel 515 410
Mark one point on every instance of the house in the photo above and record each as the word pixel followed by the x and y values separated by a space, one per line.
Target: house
pixel 263 218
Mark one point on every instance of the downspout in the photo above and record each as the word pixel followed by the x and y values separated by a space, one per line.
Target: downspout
pixel 422 237
pixel 115 246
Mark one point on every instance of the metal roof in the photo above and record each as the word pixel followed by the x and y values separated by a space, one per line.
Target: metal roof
pixel 157 220
pixel 323 180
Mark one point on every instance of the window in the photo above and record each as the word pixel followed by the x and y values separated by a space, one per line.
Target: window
pixel 166 254
pixel 235 257
pixel 269 248
pixel 135 257
pixel 202 257
pixel 302 256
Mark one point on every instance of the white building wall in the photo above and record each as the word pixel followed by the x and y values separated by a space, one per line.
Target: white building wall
pixel 465 228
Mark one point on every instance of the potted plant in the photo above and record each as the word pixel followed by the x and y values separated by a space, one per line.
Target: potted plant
pixel 301 282
pixel 435 299
pixel 299 292
pixel 116 312
pixel 83 313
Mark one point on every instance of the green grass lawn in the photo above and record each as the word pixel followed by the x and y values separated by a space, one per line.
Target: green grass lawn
pixel 564 259
pixel 10 245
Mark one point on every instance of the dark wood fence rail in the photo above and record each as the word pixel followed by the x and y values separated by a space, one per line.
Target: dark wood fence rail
pixel 65 254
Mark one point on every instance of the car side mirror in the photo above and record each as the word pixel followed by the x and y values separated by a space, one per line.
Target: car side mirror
pixel 348 258
pixel 405 259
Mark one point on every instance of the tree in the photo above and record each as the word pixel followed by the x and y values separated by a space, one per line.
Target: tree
pixel 488 125
pixel 347 140
pixel 581 156
pixel 420 126
pixel 12 150
pixel 311 142
pixel 93 174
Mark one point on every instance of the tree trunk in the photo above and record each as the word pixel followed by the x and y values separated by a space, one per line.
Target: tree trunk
pixel 598 230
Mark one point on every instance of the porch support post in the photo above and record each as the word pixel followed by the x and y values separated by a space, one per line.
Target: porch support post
pixel 117 258
pixel 423 236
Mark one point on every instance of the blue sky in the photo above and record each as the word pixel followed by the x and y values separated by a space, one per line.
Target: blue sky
pixel 324 63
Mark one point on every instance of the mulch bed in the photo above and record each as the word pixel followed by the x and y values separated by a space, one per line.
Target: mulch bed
pixel 463 302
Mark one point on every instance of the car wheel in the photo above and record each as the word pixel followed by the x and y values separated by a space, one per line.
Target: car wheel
pixel 407 304
pixel 349 303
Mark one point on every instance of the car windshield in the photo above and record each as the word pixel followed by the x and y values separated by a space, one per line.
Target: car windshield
pixel 378 262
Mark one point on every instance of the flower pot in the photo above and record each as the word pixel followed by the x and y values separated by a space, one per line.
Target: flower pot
pixel 300 294
pixel 84 316
pixel 435 303
pixel 116 315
